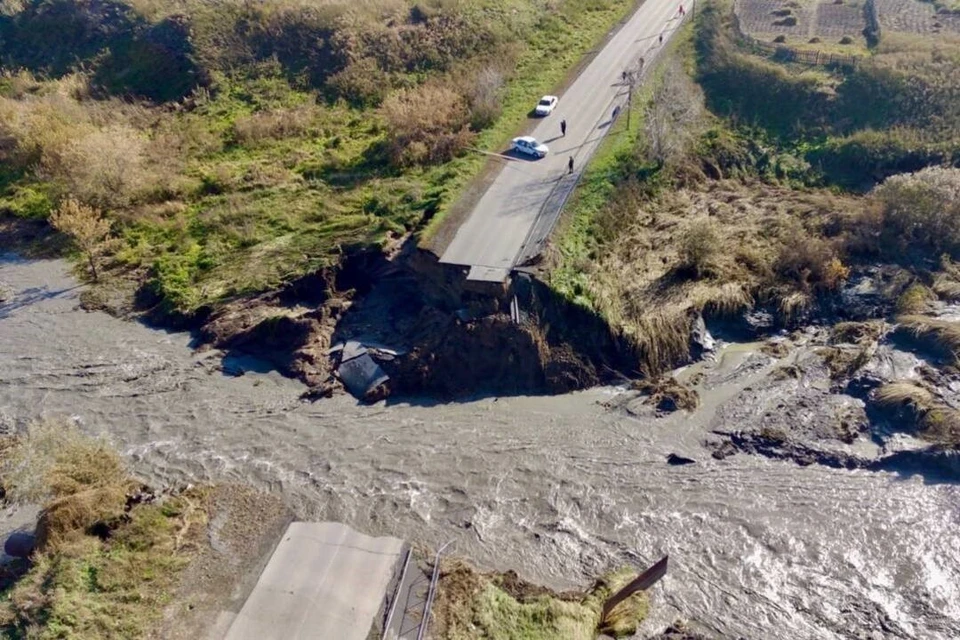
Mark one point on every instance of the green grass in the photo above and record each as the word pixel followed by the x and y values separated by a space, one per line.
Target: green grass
pixel 503 618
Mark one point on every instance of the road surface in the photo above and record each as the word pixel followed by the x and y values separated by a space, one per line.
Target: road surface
pixel 324 581
pixel 521 206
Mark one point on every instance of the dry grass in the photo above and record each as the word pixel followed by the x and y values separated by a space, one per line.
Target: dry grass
pixel 667 394
pixel 857 332
pixel 915 299
pixel 935 420
pixel 942 333
pixel 105 566
pixel 53 459
pixel 471 605
pixel 714 249
pixel 946 284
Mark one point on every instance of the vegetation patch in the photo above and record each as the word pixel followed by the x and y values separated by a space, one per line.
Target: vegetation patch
pixel 921 410
pixel 500 607
pixel 943 334
pixel 108 551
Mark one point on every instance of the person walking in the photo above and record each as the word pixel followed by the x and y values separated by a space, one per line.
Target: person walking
pixel 563 128
pixel 570 164
pixel 661 38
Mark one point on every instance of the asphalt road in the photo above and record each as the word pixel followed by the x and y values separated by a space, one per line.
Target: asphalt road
pixel 324 581
pixel 523 203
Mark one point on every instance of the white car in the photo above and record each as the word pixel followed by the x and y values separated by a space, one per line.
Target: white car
pixel 546 105
pixel 528 145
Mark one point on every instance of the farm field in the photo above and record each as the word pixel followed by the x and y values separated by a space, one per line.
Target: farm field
pixel 796 22
pixel 916 16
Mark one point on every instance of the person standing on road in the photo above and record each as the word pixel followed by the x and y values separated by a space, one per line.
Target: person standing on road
pixel 661 38
pixel 563 127
pixel 570 164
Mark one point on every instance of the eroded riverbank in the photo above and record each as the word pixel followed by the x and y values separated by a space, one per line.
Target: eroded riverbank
pixel 559 488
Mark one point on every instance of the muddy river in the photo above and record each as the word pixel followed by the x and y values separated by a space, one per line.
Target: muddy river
pixel 559 488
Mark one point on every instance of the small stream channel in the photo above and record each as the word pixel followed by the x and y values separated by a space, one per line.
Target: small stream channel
pixel 558 488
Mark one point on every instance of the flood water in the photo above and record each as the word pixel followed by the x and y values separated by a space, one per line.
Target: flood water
pixel 558 488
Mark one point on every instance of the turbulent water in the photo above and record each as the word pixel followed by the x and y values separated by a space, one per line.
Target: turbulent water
pixel 559 488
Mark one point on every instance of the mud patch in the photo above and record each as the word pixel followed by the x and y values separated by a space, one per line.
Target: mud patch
pixel 242 529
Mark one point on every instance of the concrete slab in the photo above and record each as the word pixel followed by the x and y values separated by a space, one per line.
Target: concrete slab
pixel 480 273
pixel 324 581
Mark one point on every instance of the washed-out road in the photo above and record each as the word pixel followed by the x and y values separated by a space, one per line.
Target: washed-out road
pixel 522 204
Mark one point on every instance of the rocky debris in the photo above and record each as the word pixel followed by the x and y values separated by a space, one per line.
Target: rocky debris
pixel 722 449
pixel 777 445
pixel 676 460
pixel 667 395
pixel 20 544
pixel 701 342
pixel 680 630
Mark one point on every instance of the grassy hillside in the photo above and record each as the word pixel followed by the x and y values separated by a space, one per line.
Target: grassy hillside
pixel 236 146
pixel 753 182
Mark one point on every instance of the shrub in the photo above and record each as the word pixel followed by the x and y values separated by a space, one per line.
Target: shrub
pixel 915 299
pixel 484 98
pixel 923 209
pixel 867 157
pixel 700 245
pixel 86 226
pixel 671 116
pixel 754 90
pixel 105 168
pixel 809 262
pixel 426 124
pixel 361 83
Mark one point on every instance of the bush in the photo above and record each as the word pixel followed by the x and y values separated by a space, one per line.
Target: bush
pixel 907 91
pixel 754 90
pixel 922 210
pixel 86 226
pixel 700 245
pixel 484 98
pixel 427 124
pixel 27 202
pixel 809 262
pixel 362 83
pixel 104 168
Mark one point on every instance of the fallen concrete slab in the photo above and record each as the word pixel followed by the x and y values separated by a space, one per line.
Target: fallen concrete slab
pixel 324 580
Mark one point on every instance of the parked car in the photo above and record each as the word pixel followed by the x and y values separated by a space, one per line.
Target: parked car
pixel 546 105
pixel 528 145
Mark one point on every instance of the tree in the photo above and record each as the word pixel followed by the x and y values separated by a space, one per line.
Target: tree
pixel 427 124
pixel 675 107
pixel 86 226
